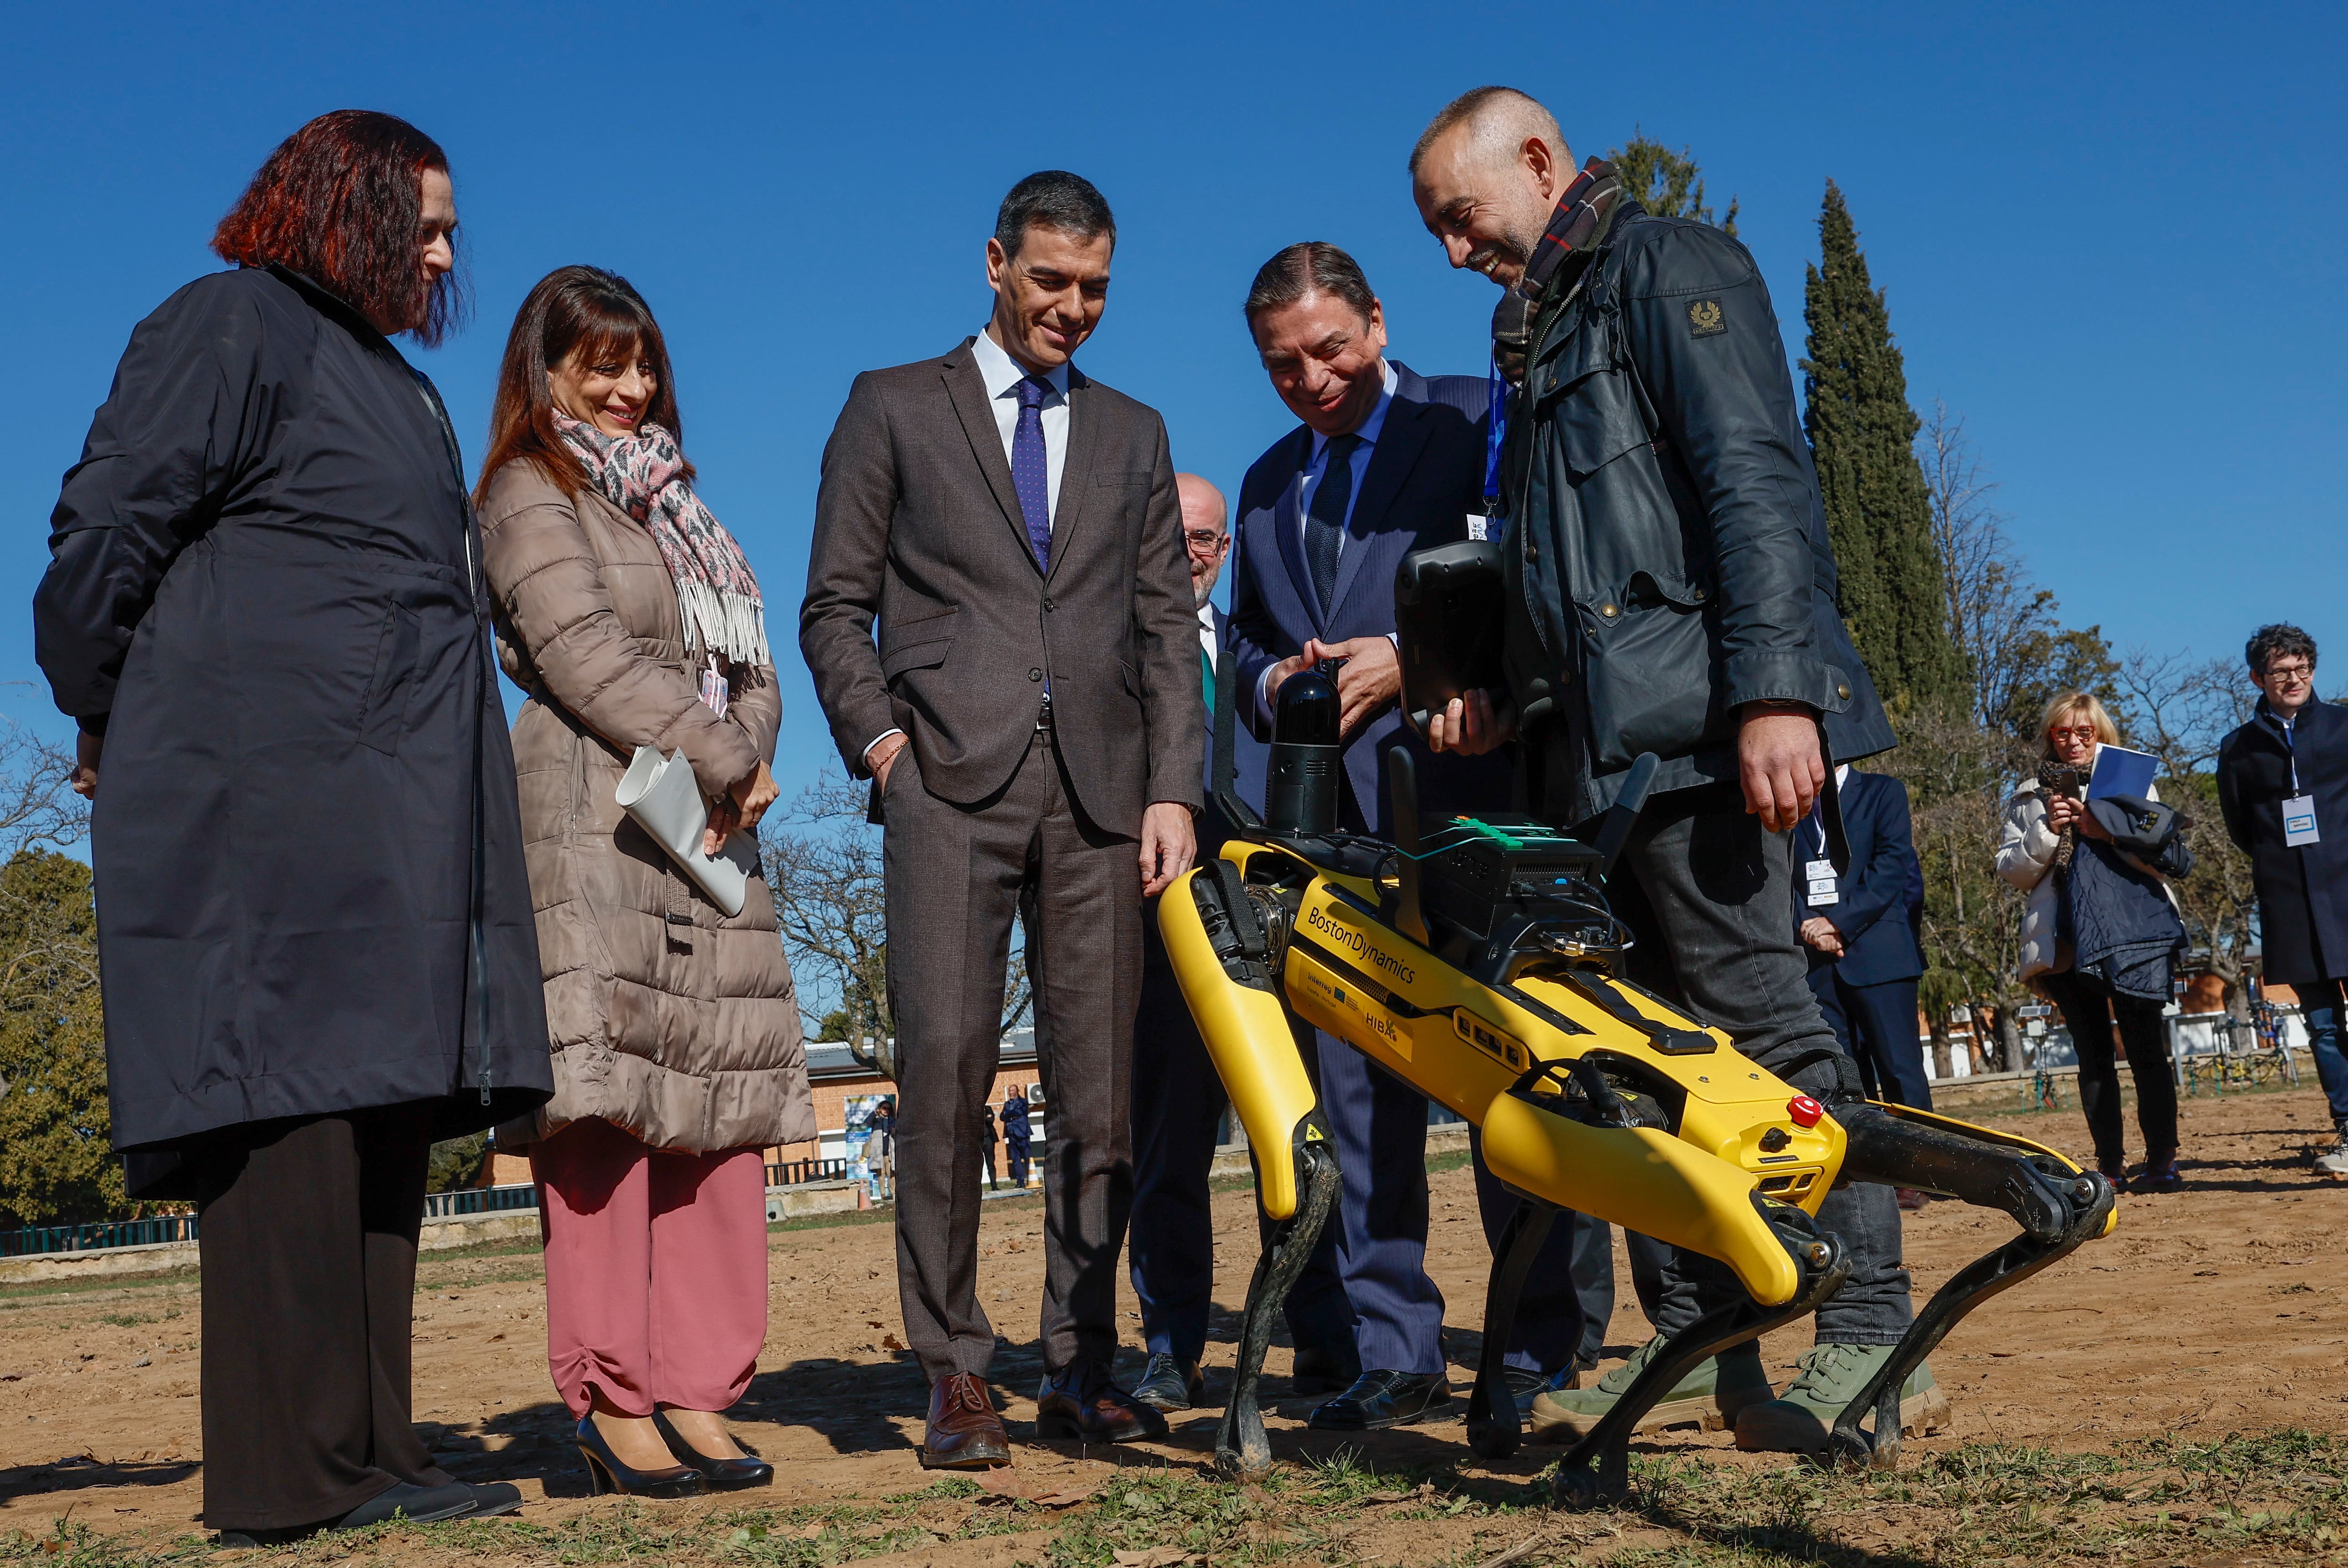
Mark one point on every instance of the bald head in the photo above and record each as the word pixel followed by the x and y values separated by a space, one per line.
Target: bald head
pixel 1496 123
pixel 1203 538
pixel 1486 174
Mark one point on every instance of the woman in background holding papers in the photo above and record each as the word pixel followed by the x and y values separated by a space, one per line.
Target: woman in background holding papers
pixel 629 615
pixel 2054 850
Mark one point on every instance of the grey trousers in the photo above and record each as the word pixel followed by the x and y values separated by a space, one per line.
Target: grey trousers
pixel 1711 898
pixel 955 877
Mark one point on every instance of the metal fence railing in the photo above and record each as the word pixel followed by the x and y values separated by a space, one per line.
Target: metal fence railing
pixel 478 1201
pixel 793 1172
pixel 34 1240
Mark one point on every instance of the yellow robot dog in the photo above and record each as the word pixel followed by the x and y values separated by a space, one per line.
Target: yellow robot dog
pixel 1478 963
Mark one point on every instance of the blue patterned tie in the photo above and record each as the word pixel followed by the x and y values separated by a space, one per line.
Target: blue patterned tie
pixel 1030 475
pixel 1325 521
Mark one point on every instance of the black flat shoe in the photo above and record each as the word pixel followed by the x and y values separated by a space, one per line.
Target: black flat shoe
pixel 607 1473
pixel 1379 1399
pixel 723 1475
pixel 492 1498
pixel 417 1504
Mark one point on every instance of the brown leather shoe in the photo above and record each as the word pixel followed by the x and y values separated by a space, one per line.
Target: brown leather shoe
pixel 964 1432
pixel 1080 1402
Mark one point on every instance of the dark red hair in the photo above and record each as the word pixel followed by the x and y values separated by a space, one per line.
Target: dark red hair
pixel 340 201
pixel 601 317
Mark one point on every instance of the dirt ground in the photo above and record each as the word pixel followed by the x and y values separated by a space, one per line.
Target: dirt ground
pixel 2214 1311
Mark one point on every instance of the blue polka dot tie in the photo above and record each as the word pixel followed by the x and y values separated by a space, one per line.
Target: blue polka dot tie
pixel 1029 475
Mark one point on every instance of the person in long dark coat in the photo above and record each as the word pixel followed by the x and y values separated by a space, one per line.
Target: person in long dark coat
pixel 264 610
pixel 2282 786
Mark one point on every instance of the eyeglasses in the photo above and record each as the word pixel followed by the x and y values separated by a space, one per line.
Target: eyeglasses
pixel 2295 674
pixel 1199 538
pixel 2073 732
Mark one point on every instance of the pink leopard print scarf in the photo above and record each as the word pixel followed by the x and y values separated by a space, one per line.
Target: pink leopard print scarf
pixel 716 592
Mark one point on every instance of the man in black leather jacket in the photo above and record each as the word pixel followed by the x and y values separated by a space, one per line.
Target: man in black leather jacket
pixel 1671 590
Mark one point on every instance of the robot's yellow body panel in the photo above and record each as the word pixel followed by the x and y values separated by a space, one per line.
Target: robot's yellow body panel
pixel 1465 1044
pixel 1253 1050
pixel 1593 1096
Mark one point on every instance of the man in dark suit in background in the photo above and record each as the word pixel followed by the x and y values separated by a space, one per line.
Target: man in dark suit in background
pixel 1864 960
pixel 1030 718
pixel 2282 788
pixel 1178 1099
pixel 1017 1131
pixel 1386 462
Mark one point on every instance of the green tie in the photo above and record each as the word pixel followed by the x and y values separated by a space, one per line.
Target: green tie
pixel 1206 677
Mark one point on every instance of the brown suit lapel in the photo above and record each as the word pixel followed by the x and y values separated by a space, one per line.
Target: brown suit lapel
pixel 968 390
pixel 1076 471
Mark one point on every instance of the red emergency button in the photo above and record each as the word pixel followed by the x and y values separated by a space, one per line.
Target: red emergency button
pixel 1804 1111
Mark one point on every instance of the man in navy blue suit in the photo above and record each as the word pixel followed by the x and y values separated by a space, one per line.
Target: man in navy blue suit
pixel 1861 932
pixel 1178 1101
pixel 1386 462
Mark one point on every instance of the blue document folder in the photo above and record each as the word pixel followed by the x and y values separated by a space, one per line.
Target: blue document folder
pixel 2120 771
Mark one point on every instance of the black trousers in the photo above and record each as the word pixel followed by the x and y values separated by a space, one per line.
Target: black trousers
pixel 309 1287
pixel 1875 1026
pixel 2088 1008
pixel 1709 896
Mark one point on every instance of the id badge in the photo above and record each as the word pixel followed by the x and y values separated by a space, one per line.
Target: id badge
pixel 1825 888
pixel 2299 820
pixel 714 690
pixel 1479 527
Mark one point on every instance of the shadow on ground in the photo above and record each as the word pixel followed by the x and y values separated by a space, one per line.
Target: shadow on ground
pixel 79 1473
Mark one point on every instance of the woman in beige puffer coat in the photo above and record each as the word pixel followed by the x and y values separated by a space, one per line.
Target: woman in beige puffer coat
pixel 630 617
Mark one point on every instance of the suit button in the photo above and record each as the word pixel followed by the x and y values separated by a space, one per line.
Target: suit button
pixel 1843 692
pixel 1048 605
pixel 1034 675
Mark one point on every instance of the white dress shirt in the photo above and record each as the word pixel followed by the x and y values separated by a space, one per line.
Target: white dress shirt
pixel 1207 643
pixel 1003 375
pixel 1319 465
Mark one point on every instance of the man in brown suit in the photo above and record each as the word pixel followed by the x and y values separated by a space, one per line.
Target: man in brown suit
pixel 1029 718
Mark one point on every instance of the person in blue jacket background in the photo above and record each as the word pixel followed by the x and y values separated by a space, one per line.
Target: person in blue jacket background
pixel 1860 930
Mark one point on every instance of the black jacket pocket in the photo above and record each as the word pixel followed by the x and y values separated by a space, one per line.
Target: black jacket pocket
pixel 384 715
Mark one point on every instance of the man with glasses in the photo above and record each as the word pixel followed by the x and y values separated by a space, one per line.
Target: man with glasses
pixel 2283 784
pixel 1178 1101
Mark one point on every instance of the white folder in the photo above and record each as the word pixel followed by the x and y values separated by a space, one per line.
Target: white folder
pixel 661 795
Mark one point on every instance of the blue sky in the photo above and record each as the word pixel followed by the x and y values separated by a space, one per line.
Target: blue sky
pixel 2112 235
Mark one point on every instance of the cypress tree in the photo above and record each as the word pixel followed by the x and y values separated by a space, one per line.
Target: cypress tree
pixel 1668 184
pixel 1862 433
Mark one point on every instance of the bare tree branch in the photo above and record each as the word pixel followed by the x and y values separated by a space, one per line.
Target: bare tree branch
pixel 824 870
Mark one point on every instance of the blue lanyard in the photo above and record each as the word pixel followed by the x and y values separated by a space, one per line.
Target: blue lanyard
pixel 2292 746
pixel 1496 430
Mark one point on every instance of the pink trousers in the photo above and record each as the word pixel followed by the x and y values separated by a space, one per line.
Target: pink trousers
pixel 655 1271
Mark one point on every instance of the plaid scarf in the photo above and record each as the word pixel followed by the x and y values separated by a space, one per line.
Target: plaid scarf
pixel 716 592
pixel 1578 215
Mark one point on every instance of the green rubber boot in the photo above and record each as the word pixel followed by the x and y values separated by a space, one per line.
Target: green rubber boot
pixel 1710 1397
pixel 1831 1377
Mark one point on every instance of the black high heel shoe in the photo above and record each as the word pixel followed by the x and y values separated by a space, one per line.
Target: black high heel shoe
pixel 723 1475
pixel 607 1473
